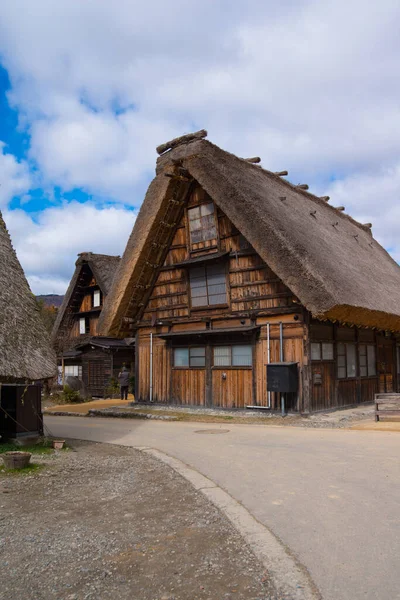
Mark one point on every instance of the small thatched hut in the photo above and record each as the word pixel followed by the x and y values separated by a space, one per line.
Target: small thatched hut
pixel 26 354
pixel 230 268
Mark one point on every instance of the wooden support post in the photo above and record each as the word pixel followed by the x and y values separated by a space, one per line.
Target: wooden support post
pixel 306 369
pixel 208 391
pixel 137 367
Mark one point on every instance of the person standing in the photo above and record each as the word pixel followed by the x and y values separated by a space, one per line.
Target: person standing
pixel 123 379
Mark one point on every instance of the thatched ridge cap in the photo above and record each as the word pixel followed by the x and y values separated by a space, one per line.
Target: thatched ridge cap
pixel 197 146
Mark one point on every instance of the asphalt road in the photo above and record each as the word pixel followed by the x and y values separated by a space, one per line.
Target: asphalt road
pixel 332 496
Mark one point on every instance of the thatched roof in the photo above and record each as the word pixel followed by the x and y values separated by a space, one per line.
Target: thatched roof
pixel 328 260
pixel 25 350
pixel 103 268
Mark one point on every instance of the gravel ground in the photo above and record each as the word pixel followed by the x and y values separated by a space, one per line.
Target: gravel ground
pixel 100 521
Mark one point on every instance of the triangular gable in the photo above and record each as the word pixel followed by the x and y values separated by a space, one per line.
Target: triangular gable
pixel 329 261
pixel 102 268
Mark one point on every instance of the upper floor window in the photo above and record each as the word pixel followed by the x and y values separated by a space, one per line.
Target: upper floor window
pixel 208 285
pixel 96 298
pixel 202 225
pixel 84 325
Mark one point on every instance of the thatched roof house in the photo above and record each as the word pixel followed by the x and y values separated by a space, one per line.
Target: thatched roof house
pixel 25 350
pixel 99 267
pixel 332 263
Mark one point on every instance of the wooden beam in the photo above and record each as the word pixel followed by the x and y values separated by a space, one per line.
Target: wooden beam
pixel 281 173
pixel 325 198
pixel 264 297
pixel 183 139
pixel 369 225
pixel 254 159
pixel 302 186
pixel 341 208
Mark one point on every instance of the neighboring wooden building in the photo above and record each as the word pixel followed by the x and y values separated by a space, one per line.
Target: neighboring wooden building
pixel 101 359
pixel 26 356
pixel 230 267
pixel 81 353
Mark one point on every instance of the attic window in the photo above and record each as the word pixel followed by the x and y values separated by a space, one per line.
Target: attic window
pixel 84 325
pixel 202 223
pixel 208 285
pixel 96 298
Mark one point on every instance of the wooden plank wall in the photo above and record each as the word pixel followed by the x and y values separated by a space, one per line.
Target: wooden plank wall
pixel 96 371
pixel 235 391
pixel 252 288
pixel 338 393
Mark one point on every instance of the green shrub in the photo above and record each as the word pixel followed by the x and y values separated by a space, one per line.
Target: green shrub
pixel 112 389
pixel 71 396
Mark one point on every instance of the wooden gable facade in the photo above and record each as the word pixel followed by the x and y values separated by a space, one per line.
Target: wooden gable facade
pixel 85 306
pixel 211 311
pixel 81 352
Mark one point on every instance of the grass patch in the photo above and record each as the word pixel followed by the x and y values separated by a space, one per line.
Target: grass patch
pixel 31 468
pixel 43 446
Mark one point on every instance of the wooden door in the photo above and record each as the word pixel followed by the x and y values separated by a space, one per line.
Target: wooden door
pixel 386 366
pixel 323 385
pixel 232 388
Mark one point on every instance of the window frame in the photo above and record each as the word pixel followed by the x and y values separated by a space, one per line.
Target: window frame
pixel 189 365
pixel 346 365
pixel 188 220
pixel 87 325
pixel 95 293
pixel 367 345
pixel 231 366
pixel 321 353
pixel 79 369
pixel 206 285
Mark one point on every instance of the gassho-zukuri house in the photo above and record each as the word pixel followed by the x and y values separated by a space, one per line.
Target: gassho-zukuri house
pixel 81 352
pixel 26 356
pixel 230 268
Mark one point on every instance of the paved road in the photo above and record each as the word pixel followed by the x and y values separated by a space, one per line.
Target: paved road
pixel 333 496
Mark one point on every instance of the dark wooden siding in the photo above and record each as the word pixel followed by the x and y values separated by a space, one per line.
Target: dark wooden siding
pixel 96 371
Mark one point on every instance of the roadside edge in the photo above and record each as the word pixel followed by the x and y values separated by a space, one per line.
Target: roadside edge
pixel 290 578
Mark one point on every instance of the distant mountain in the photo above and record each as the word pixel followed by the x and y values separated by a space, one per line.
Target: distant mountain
pixel 51 299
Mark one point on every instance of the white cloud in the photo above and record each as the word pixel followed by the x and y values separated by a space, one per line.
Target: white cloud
pixel 373 197
pixel 48 248
pixel 309 86
pixel 15 179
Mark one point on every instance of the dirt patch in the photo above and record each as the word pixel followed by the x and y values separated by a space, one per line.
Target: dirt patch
pixel 101 521
pixel 338 419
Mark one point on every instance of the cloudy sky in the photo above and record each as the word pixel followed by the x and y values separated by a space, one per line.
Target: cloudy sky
pixel 89 88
